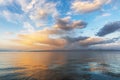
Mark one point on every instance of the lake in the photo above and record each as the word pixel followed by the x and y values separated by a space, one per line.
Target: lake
pixel 71 65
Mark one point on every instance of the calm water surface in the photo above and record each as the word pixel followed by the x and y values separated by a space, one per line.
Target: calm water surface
pixel 88 65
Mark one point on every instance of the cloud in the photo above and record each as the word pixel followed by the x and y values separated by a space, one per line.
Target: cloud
pixel 91 41
pixel 11 17
pixel 106 14
pixel 66 24
pixel 97 41
pixel 83 42
pixel 107 46
pixel 39 11
pixel 87 6
pixel 109 28
pixel 34 11
pixel 1 1
pixel 52 36
pixel 41 38
pixel 75 39
pixel 7 44
pixel 9 33
pixel 28 27
pixel 5 2
pixel 63 33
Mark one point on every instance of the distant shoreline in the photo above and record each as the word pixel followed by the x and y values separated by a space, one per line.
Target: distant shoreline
pixel 52 50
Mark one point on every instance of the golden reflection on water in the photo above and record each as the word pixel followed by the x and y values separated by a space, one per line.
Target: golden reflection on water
pixel 41 60
pixel 34 65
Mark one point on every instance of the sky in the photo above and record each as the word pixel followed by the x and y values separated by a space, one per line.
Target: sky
pixel 59 24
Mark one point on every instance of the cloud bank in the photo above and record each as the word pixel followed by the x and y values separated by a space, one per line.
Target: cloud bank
pixel 45 38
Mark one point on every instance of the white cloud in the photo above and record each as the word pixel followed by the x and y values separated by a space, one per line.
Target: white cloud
pixel 1 1
pixel 106 14
pixel 28 27
pixel 5 2
pixel 35 13
pixel 23 4
pixel 38 11
pixel 88 6
pixel 9 33
pixel 11 17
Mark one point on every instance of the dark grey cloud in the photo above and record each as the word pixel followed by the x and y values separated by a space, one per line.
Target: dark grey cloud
pixel 75 39
pixel 67 25
pixel 109 28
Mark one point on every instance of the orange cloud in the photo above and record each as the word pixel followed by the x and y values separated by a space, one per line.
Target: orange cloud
pixel 39 39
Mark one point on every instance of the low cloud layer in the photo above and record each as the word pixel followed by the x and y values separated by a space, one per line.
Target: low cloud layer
pixel 53 36
pixel 94 41
pixel 109 28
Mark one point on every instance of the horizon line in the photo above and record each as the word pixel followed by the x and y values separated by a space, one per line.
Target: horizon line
pixel 54 50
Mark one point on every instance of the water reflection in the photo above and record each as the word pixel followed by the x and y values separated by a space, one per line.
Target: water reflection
pixel 88 65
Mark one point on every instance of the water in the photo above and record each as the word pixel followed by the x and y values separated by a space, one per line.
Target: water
pixel 84 65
